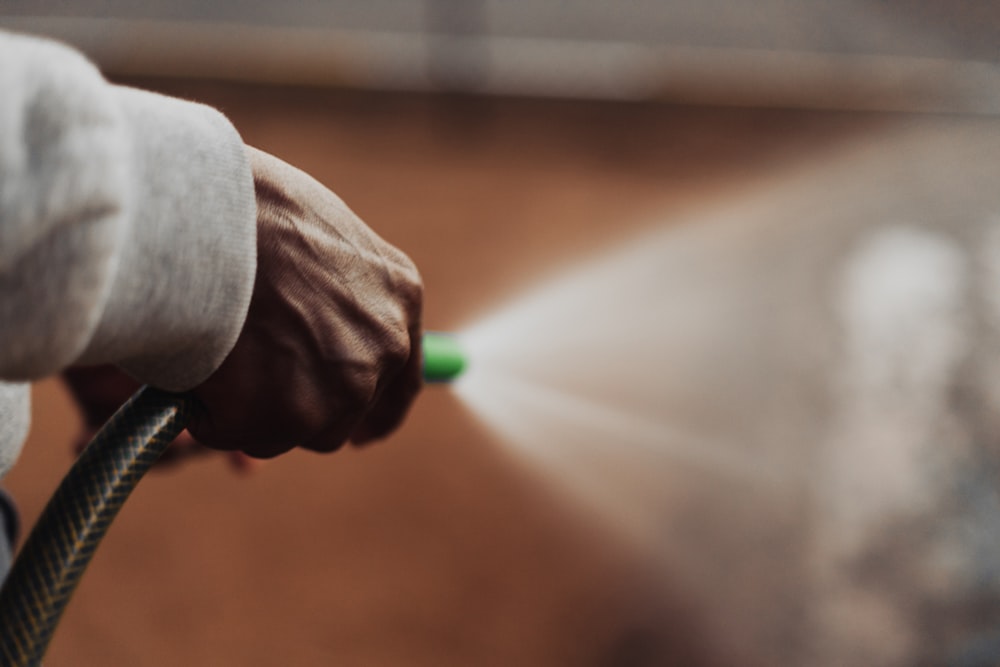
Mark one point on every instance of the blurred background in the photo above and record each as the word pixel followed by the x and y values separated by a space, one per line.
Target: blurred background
pixel 901 54
pixel 789 206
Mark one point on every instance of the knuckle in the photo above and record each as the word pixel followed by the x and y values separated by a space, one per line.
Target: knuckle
pixel 409 284
pixel 297 420
pixel 396 347
pixel 356 397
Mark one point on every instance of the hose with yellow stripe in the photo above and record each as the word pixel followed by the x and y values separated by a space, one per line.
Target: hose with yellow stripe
pixel 59 548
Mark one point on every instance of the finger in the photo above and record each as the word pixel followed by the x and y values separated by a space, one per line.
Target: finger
pixel 83 439
pixel 394 403
pixel 241 463
pixel 333 438
pixel 99 391
pixel 176 455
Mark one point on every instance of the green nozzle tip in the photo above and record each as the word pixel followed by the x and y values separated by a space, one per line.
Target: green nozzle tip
pixel 443 357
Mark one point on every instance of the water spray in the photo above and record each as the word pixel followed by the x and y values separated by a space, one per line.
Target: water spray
pixel 64 539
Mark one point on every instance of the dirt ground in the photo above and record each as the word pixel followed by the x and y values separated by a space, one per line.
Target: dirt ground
pixel 436 547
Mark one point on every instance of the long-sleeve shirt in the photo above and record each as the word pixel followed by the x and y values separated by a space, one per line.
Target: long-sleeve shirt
pixel 127 229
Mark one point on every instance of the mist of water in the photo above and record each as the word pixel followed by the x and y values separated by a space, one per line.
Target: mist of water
pixel 791 400
pixel 600 376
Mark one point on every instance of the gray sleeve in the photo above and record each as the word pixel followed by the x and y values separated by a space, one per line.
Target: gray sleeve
pixel 127 224
pixel 15 415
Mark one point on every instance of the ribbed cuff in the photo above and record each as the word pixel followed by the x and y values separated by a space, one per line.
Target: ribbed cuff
pixel 15 417
pixel 185 272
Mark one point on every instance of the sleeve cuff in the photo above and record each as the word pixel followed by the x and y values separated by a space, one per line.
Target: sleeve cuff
pixel 15 415
pixel 185 272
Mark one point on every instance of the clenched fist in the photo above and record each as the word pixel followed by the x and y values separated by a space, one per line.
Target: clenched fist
pixel 330 350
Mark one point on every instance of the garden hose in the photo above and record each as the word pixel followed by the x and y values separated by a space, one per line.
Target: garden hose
pixel 49 566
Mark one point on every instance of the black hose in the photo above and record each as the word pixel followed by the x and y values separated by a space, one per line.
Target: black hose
pixel 64 539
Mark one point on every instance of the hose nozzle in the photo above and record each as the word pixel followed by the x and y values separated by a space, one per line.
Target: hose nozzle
pixel 444 359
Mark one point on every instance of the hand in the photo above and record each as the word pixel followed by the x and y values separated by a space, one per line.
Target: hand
pixel 100 390
pixel 330 350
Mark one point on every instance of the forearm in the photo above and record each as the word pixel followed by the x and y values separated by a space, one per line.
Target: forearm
pixel 127 224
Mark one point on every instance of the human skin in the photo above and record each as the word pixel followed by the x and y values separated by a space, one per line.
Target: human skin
pixel 330 350
pixel 100 390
